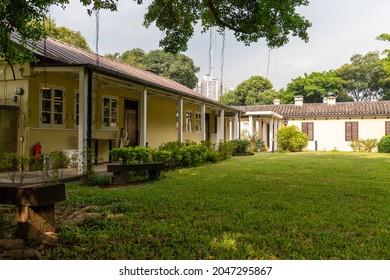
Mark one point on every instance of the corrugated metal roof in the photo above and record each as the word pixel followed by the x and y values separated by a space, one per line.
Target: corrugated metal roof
pixel 340 109
pixel 69 55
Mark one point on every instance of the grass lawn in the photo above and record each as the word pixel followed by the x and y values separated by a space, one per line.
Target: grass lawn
pixel 326 205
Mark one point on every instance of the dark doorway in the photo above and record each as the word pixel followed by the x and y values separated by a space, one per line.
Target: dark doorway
pixel 207 127
pixel 8 129
pixel 131 122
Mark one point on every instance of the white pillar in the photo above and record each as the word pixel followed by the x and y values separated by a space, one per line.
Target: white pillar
pixel 236 127
pixel 180 113
pixel 221 129
pixel 144 112
pixel 271 134
pixel 83 123
pixel 230 129
pixel 203 122
pixel 257 128
pixel 250 126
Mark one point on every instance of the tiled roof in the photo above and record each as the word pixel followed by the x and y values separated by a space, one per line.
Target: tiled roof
pixel 65 54
pixel 340 109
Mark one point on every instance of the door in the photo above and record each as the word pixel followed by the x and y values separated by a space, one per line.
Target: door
pixel 8 129
pixel 131 122
pixel 207 127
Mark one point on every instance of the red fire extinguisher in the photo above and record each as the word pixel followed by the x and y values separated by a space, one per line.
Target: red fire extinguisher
pixel 37 150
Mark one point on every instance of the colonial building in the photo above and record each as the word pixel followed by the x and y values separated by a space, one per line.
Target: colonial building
pixel 329 125
pixel 72 99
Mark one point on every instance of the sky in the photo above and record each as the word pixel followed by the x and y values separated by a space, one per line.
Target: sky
pixel 340 29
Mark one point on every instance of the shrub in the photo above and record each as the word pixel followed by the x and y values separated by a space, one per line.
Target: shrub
pixel 256 144
pixel 129 155
pixel 384 144
pixel 14 163
pixel 226 149
pixel 240 147
pixel 364 145
pixel 193 155
pixel 291 139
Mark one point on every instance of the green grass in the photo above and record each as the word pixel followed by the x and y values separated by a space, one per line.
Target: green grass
pixel 267 206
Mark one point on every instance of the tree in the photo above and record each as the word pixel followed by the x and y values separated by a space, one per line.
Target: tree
pixel 254 91
pixel 273 20
pixel 26 18
pixel 65 34
pixel 177 67
pixel 314 87
pixel 365 77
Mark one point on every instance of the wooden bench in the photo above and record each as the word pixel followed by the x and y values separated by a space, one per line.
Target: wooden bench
pixel 120 171
pixel 34 206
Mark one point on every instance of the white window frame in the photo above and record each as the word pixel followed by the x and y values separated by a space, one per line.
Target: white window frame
pixel 198 122
pixel 189 120
pixel 52 111
pixel 110 117
pixel 76 106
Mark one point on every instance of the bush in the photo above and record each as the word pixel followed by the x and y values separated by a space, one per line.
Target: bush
pixel 291 139
pixel 364 145
pixel 384 144
pixel 241 147
pixel 225 149
pixel 193 155
pixel 128 155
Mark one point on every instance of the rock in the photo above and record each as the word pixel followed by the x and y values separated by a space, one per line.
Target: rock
pixel 79 219
pixel 49 238
pixel 11 244
pixel 20 254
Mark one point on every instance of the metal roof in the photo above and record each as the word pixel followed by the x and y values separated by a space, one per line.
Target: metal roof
pixel 52 52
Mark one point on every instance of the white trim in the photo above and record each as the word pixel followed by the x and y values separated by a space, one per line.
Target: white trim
pixel 180 114
pixel 110 97
pixel 52 105
pixel 264 114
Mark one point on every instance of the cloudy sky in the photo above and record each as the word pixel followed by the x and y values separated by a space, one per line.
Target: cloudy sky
pixel 341 28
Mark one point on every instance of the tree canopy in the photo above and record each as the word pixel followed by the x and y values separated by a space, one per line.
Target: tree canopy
pixel 177 67
pixel 365 77
pixel 273 20
pixel 254 91
pixel 314 87
pixel 65 34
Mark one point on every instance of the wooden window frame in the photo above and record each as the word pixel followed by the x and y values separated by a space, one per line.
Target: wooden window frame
pixel 387 128
pixel 308 129
pixel 351 131
pixel 54 103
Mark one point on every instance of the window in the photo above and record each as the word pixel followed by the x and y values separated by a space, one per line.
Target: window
pixel 198 122
pixel 308 129
pixel 188 121
pixel 52 106
pixel 351 131
pixel 387 128
pixel 110 112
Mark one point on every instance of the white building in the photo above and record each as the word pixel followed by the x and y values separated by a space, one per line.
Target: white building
pixel 329 125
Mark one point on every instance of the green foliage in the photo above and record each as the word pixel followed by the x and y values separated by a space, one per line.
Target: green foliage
pixel 177 67
pixel 384 144
pixel 364 145
pixel 256 144
pixel 226 149
pixel 291 139
pixel 241 147
pixel 250 20
pixel 65 34
pixel 255 90
pixel 129 155
pixel 314 87
pixel 365 77
pixel 15 165
pixel 94 180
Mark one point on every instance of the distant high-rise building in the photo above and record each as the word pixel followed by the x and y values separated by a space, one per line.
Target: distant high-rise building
pixel 211 87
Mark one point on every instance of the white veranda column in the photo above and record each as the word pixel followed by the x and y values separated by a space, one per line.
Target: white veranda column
pixel 221 129
pixel 236 127
pixel 83 123
pixel 144 113
pixel 271 134
pixel 203 122
pixel 180 113
pixel 250 126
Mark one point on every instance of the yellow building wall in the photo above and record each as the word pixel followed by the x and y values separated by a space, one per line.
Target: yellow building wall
pixel 161 121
